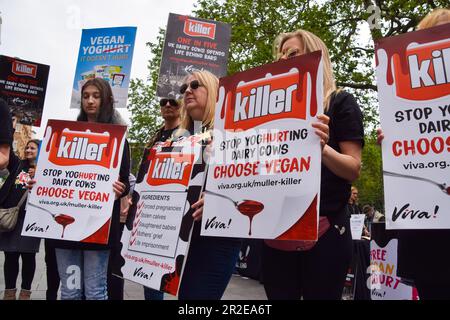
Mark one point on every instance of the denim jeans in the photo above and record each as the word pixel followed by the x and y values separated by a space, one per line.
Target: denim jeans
pixel 83 272
pixel 209 266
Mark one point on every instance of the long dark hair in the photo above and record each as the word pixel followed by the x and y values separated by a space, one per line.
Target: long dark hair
pixel 106 112
pixel 37 143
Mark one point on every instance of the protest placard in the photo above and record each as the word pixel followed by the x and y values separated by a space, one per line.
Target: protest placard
pixel 73 196
pixel 105 53
pixel 413 75
pixel 264 145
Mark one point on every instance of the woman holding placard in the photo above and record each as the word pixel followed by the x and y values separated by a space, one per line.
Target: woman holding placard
pixel 210 260
pixel 317 270
pixel 88 260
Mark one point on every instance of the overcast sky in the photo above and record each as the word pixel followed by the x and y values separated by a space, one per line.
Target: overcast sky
pixel 49 32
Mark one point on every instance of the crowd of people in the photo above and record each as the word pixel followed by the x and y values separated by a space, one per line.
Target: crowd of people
pixel 290 270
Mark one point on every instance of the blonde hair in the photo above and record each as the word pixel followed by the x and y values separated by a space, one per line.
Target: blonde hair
pixel 311 43
pixel 211 83
pixel 433 18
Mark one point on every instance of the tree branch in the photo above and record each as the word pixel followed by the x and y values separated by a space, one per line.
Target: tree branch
pixel 357 19
pixel 362 86
pixel 369 50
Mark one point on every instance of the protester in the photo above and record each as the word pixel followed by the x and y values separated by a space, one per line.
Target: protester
pixel 97 106
pixel 369 216
pixel 12 243
pixel 319 272
pixel 210 260
pixel 170 112
pixel 353 207
pixel 421 253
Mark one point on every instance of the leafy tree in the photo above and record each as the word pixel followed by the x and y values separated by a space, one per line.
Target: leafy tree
pixel 144 105
pixel 370 183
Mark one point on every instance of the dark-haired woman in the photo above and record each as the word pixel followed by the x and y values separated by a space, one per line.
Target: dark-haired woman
pixel 83 267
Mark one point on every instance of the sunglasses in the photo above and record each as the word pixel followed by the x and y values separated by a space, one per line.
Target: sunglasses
pixel 172 102
pixel 194 84
pixel 290 53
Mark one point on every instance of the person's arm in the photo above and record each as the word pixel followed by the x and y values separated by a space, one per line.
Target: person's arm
pixel 347 163
pixel 348 132
pixel 4 156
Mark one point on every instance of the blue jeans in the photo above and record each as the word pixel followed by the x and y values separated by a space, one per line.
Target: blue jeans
pixel 209 266
pixel 83 272
pixel 152 294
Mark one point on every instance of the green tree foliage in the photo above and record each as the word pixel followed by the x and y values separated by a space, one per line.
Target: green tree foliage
pixel 370 183
pixel 144 105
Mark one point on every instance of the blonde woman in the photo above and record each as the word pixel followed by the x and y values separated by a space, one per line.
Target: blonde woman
pixel 211 260
pixel 293 270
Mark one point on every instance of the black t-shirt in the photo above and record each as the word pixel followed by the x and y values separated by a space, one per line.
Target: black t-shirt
pixel 345 125
pixel 353 209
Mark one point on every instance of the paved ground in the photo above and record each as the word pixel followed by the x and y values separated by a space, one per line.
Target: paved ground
pixel 239 288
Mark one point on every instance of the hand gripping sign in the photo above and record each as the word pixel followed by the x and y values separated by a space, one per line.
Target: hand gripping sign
pixel 264 145
pixel 413 74
pixel 73 196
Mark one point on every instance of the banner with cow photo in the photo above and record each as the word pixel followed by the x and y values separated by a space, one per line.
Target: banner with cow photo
pixel 156 243
pixel 23 85
pixel 413 75
pixel 105 53
pixel 264 177
pixel 191 44
pixel 73 196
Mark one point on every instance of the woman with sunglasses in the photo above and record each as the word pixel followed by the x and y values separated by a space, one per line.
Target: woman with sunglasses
pixel 211 260
pixel 295 269
pixel 170 112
